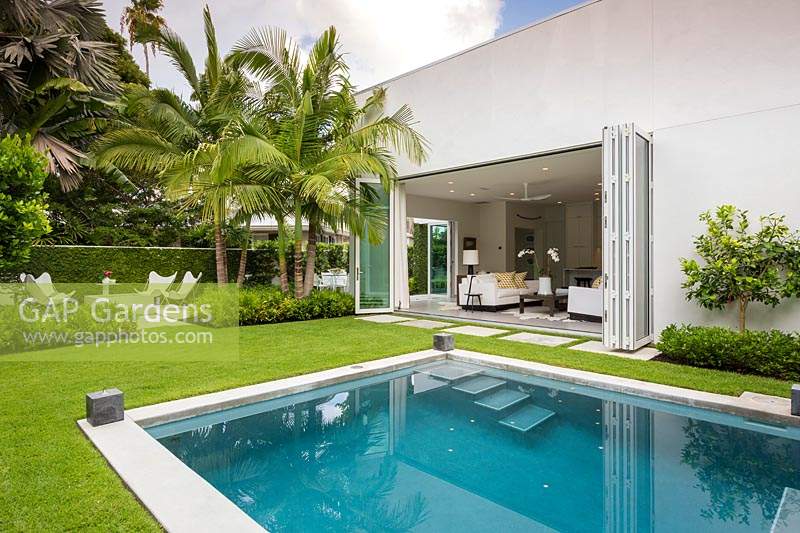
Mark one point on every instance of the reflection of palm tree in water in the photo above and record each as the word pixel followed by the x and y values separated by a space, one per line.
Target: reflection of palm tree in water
pixel 339 488
pixel 739 468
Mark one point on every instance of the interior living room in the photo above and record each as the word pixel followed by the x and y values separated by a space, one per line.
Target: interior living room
pixel 469 231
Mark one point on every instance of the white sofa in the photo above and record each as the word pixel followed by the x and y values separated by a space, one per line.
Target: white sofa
pixel 491 295
pixel 585 303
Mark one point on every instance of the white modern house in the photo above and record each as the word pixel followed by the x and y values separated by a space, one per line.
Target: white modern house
pixel 603 131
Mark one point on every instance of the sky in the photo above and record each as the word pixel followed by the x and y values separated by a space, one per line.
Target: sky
pixel 381 38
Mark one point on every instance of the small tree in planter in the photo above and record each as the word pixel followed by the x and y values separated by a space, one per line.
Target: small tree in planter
pixel 742 266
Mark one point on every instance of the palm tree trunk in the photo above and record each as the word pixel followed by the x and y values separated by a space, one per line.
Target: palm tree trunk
pixel 298 252
pixel 146 61
pixel 243 256
pixel 282 268
pixel 221 255
pixel 311 257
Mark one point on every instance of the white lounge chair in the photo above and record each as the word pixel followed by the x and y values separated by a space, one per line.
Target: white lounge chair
pixel 42 291
pixel 188 284
pixel 157 285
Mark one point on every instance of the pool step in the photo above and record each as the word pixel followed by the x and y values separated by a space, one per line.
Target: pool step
pixel 527 417
pixel 502 399
pixel 450 371
pixel 478 385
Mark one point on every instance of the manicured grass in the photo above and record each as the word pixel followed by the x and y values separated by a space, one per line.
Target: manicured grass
pixel 52 478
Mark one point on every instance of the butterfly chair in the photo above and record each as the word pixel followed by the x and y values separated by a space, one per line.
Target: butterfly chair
pixel 157 286
pixel 41 290
pixel 188 283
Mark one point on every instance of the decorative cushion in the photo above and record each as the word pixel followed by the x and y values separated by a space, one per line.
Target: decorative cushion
pixel 505 280
pixel 598 282
pixel 519 280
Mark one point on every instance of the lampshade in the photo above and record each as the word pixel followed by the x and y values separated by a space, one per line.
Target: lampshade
pixel 470 257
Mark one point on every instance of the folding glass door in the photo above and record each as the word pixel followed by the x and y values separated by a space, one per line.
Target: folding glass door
pixel 627 237
pixel 373 262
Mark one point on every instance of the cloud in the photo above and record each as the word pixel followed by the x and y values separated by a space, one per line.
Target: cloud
pixel 382 38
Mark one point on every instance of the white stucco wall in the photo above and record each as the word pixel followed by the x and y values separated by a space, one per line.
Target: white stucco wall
pixel 716 81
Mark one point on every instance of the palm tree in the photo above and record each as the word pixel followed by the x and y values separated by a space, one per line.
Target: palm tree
pixel 56 79
pixel 144 24
pixel 193 148
pixel 328 140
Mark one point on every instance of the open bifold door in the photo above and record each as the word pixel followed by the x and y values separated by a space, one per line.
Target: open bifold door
pixel 627 237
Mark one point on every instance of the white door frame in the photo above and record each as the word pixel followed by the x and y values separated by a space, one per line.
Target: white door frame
pixel 357 256
pixel 620 248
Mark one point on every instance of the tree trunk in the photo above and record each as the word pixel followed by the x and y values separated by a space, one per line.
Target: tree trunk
pixel 742 314
pixel 221 255
pixel 146 61
pixel 243 256
pixel 298 253
pixel 311 257
pixel 282 267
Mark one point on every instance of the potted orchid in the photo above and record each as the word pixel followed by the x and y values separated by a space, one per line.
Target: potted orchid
pixel 530 258
pixel 545 280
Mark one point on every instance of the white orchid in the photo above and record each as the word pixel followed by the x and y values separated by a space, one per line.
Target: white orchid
pixel 553 253
pixel 526 251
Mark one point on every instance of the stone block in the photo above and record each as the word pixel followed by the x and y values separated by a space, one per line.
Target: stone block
pixel 444 342
pixel 104 407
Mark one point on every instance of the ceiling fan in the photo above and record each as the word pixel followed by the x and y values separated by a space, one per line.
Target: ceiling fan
pixel 525 197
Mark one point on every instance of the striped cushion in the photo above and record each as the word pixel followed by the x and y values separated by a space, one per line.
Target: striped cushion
pixel 598 282
pixel 519 280
pixel 505 280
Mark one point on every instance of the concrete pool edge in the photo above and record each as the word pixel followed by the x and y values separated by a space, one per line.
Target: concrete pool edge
pixel 742 406
pixel 181 500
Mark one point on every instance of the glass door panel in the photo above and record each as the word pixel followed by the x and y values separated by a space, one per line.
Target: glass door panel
pixel 374 266
pixel 438 258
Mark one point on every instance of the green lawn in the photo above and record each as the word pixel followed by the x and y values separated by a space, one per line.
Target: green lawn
pixel 51 478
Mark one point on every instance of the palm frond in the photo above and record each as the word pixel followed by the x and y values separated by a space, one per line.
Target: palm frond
pixel 171 44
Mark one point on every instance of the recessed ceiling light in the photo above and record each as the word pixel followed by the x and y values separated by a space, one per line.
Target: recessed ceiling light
pixel 511 193
pixel 545 168
pixel 600 184
pixel 472 194
pixel 451 190
pixel 451 182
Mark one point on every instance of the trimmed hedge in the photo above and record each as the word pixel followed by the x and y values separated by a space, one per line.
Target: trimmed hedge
pixel 85 264
pixel 268 305
pixel 771 353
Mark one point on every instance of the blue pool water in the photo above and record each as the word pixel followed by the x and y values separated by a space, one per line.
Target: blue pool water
pixel 460 448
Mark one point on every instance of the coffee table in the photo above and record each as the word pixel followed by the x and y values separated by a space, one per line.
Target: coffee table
pixel 550 300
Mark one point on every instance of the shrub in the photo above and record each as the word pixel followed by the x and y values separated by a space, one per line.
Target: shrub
pixel 22 202
pixel 268 305
pixel 768 353
pixel 85 264
pixel 740 265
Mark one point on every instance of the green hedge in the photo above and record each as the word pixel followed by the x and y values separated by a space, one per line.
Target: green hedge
pixel 267 305
pixel 85 264
pixel 768 353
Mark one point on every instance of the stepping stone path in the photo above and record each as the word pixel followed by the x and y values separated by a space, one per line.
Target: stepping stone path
pixel 383 319
pixel 536 338
pixel 642 354
pixel 476 331
pixel 424 324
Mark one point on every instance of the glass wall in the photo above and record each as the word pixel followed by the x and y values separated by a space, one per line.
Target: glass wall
pixel 374 262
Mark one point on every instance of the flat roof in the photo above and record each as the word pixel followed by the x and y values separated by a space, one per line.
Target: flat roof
pixel 482 44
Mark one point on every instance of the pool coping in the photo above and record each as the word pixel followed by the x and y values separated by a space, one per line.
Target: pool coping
pixel 181 500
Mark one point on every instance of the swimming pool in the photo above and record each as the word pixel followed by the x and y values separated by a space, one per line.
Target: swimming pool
pixel 452 446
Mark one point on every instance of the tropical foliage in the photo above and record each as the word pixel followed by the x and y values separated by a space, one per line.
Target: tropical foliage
pixel 326 140
pixel 291 146
pixel 22 202
pixel 143 24
pixel 743 266
pixel 56 79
